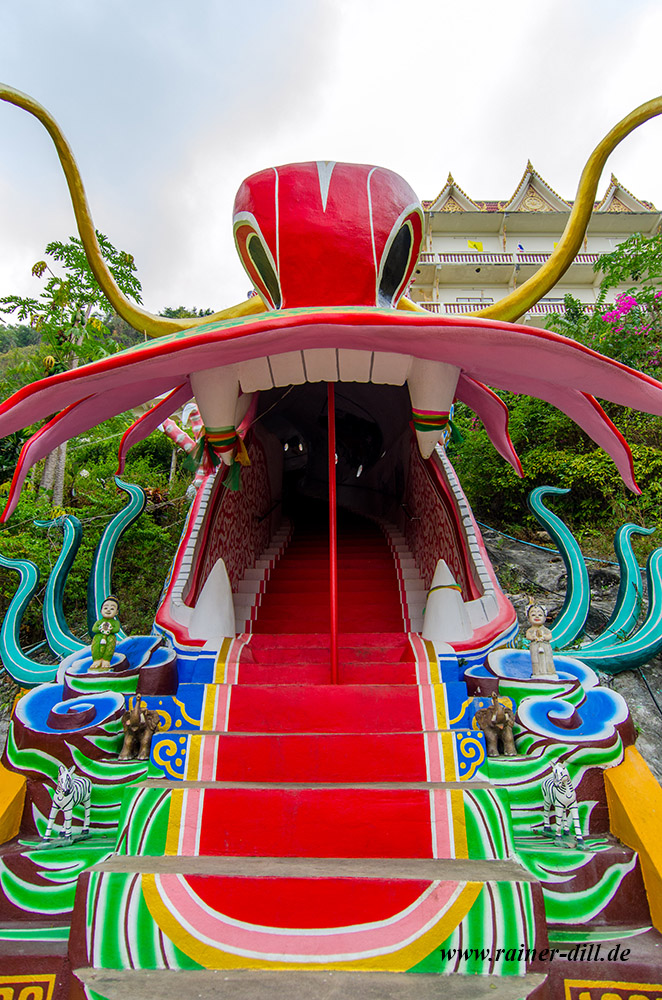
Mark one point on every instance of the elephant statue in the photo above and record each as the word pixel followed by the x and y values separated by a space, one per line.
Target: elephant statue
pixel 496 722
pixel 139 727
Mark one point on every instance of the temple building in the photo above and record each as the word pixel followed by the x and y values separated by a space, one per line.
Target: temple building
pixel 478 251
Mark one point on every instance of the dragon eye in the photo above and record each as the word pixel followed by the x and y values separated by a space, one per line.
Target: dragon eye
pixel 263 267
pixel 399 257
pixel 395 266
pixel 258 260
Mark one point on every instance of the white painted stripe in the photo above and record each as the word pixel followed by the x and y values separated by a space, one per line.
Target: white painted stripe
pixel 324 171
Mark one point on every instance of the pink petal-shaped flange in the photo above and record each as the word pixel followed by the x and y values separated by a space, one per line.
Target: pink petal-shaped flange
pixel 76 418
pixel 494 414
pixel 149 421
pixel 505 355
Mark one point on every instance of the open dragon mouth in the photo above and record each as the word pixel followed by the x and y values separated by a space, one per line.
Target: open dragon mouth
pixel 387 470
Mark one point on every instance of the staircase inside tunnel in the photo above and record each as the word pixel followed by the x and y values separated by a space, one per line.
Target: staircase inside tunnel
pixel 296 598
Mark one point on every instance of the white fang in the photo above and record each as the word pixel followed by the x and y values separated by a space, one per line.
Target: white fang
pixel 324 171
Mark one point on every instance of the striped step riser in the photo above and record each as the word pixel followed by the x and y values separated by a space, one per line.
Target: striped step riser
pixel 307 599
pixel 337 823
pixel 333 708
pixel 319 673
pixel 313 654
pixel 305 673
pixel 302 572
pixel 315 758
pixel 272 623
pixel 387 641
pixel 359 584
pixel 228 706
pixel 179 922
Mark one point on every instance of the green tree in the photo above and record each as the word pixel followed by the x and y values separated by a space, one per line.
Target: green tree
pixel 630 328
pixel 551 447
pixel 183 312
pixel 71 316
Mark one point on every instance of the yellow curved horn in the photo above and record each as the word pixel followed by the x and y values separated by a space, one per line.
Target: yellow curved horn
pixel 516 304
pixel 140 319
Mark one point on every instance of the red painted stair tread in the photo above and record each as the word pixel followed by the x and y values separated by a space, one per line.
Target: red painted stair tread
pixel 333 708
pixel 306 902
pixel 399 757
pixel 315 823
pixel 320 673
pixel 296 598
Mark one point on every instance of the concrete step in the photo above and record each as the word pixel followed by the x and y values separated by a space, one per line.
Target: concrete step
pixel 444 870
pixel 261 985
pixel 308 915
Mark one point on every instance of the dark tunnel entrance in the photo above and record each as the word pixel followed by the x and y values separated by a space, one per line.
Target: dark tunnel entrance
pixel 372 440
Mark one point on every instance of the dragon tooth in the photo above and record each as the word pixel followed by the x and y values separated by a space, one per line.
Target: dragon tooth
pixel 432 387
pixel 217 391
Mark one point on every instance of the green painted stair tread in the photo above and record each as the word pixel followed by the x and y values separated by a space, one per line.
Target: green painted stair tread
pixel 259 985
pixel 587 888
pixel 36 930
pixel 454 869
pixel 587 933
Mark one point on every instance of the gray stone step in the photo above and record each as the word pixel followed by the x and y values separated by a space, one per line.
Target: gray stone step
pixel 258 985
pixel 460 869
pixel 405 786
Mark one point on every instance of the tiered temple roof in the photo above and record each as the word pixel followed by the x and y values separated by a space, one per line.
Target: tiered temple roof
pixel 534 194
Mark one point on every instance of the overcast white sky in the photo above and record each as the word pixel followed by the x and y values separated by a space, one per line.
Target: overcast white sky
pixel 170 104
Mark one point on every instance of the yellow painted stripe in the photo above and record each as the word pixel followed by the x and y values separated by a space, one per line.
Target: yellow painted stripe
pixel 32 981
pixel 647 989
pixel 12 799
pixel 634 798
pixel 457 718
pixel 459 823
pixel 209 707
pixel 174 821
pixel 221 659
pixel 433 660
pixel 441 712
pixel 448 751
pixel 399 960
pixel 193 757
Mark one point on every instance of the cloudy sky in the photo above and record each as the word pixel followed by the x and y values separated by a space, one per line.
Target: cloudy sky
pixel 169 105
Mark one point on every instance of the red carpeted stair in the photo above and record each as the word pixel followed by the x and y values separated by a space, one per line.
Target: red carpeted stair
pixel 328 779
pixel 296 600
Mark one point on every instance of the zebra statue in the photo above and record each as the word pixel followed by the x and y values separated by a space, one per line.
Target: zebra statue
pixel 70 791
pixel 558 793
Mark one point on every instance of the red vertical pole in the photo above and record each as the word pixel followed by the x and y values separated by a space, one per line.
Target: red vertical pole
pixel 333 533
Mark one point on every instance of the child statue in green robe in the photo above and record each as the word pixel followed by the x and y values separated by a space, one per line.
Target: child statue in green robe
pixel 103 634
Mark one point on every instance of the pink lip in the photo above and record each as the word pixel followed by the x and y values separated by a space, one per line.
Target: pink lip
pixel 504 355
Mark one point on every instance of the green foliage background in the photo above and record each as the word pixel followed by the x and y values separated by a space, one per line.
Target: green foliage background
pixel 145 550
pixel 552 449
pixel 70 322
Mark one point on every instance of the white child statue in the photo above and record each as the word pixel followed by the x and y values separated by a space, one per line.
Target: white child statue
pixel 542 660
